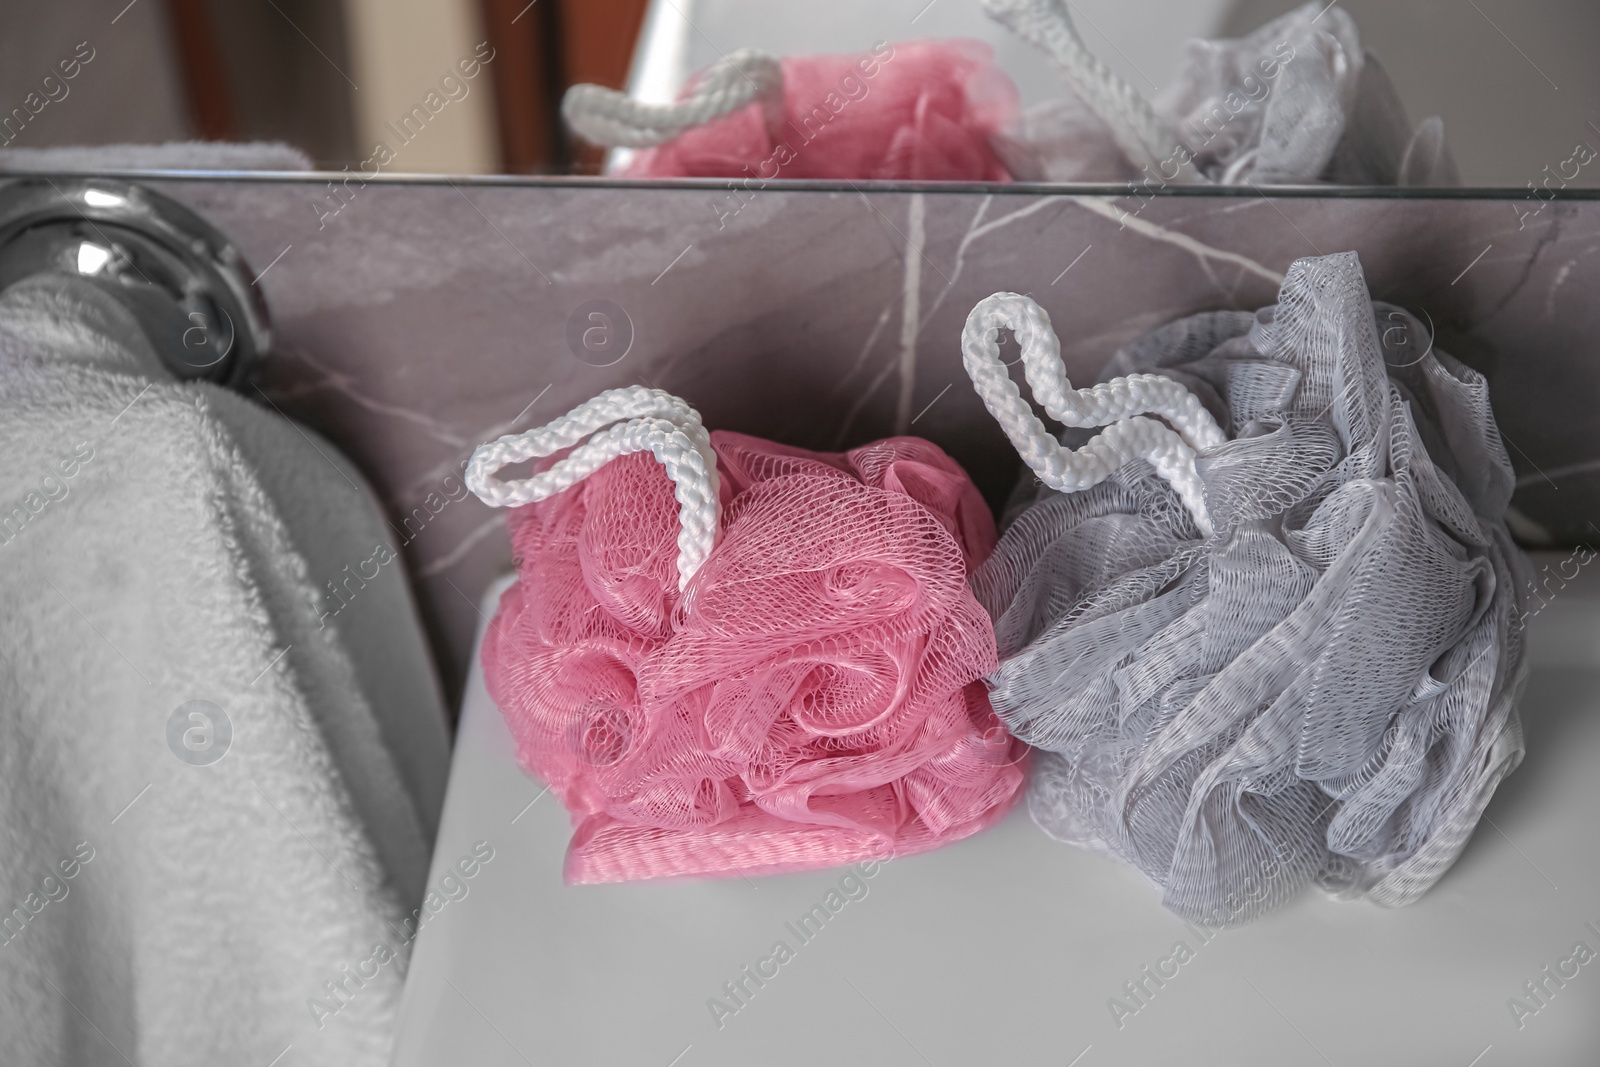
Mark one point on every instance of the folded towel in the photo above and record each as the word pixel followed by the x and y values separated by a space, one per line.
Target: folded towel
pixel 175 155
pixel 222 747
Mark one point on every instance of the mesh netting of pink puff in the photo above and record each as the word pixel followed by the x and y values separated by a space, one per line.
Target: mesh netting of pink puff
pixel 917 110
pixel 813 698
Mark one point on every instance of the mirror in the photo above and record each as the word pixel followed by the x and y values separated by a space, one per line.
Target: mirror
pixel 1357 93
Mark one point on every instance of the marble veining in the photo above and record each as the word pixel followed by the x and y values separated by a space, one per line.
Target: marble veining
pixel 427 319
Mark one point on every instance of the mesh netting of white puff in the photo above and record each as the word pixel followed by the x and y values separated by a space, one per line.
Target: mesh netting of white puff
pixel 1323 690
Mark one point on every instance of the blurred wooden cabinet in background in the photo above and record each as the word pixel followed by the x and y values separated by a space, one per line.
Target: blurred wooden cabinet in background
pixel 336 80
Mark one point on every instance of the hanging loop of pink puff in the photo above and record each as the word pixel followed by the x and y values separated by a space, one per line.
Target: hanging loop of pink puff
pixel 813 695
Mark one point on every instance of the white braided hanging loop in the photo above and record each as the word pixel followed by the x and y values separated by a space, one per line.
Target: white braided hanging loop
pixel 1119 405
pixel 617 422
pixel 606 117
pixel 1139 132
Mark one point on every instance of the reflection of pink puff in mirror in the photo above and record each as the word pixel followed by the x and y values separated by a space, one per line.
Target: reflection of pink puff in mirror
pixel 812 697
pixel 918 110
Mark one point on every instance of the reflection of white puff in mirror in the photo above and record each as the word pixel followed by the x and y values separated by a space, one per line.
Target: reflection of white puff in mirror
pixel 1296 102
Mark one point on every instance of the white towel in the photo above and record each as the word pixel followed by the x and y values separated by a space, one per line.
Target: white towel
pixel 174 155
pixel 162 543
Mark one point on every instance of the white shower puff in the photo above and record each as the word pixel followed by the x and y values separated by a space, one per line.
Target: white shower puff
pixel 1323 689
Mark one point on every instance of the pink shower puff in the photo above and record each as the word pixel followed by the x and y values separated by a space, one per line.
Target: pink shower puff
pixel 812 698
pixel 914 111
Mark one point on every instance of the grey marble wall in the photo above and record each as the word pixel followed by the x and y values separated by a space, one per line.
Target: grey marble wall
pixel 424 318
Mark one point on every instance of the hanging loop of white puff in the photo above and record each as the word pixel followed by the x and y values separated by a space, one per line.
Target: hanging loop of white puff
pixel 1119 405
pixel 616 423
pixel 1133 122
pixel 606 117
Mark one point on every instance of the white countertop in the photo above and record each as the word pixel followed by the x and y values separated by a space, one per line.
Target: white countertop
pixel 1007 948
